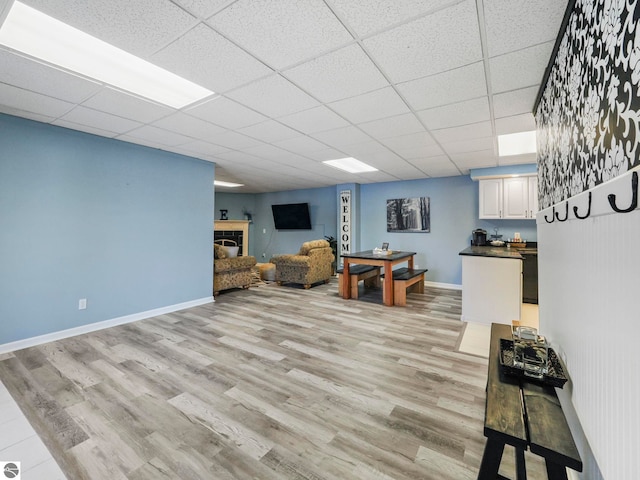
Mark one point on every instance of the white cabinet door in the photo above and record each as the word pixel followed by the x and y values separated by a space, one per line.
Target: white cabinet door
pixel 533 196
pixel 491 198
pixel 516 197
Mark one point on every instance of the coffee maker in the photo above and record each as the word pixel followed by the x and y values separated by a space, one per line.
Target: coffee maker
pixel 479 237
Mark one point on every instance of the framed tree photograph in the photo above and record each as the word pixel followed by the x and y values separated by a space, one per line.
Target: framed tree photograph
pixel 408 215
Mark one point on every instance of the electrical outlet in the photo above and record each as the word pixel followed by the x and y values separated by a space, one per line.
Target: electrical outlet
pixel 264 255
pixel 264 230
pixel 82 304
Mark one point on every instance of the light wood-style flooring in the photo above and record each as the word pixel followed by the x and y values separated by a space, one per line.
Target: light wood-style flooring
pixel 267 383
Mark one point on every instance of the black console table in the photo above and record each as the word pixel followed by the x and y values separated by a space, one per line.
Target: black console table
pixel 524 415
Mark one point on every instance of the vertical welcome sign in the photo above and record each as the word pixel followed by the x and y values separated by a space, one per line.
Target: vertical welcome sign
pixel 344 206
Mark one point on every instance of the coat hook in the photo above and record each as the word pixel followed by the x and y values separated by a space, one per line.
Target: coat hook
pixel 566 212
pixel 553 216
pixel 634 198
pixel 575 210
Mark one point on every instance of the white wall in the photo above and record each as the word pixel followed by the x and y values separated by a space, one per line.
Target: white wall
pixel 589 275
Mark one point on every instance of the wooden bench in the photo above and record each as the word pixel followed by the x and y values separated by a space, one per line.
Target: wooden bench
pixel 524 415
pixel 407 280
pixel 368 273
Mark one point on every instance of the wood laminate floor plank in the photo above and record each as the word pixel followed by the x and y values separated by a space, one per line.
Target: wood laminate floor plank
pixel 267 383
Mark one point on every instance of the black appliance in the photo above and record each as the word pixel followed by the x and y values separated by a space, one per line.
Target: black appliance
pixel 479 237
pixel 529 275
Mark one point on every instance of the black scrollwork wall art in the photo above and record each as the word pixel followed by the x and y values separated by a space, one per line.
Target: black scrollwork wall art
pixel 588 115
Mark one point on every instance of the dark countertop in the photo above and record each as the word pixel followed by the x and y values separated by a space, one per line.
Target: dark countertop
pixel 369 255
pixel 495 252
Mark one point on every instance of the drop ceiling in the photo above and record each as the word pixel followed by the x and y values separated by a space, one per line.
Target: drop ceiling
pixel 415 88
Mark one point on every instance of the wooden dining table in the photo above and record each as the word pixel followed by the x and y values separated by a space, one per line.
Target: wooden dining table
pixel 368 257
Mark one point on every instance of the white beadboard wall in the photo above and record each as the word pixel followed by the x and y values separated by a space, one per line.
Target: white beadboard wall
pixel 589 281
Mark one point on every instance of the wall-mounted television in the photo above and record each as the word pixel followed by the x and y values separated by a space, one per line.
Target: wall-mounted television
pixel 291 216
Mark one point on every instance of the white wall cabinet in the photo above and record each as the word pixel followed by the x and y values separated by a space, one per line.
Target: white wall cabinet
pixel 509 198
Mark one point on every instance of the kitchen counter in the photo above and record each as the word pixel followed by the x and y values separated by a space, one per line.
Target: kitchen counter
pixel 491 286
pixel 496 252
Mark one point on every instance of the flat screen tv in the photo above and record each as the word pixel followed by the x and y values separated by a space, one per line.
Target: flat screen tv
pixel 291 216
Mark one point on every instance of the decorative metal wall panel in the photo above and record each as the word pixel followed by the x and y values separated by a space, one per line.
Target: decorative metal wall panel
pixel 588 117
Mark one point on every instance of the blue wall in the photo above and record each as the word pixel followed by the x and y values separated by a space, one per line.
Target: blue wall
pixel 127 227
pixel 263 237
pixel 454 215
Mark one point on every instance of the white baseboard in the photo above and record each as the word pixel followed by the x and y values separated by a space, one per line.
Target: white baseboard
pixel 450 286
pixel 92 327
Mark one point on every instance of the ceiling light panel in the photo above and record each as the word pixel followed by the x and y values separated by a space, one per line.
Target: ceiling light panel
pixel 350 165
pixel 220 183
pixel 31 32
pixel 517 143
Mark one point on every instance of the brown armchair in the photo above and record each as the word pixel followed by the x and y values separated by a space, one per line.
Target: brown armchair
pixel 230 272
pixel 312 264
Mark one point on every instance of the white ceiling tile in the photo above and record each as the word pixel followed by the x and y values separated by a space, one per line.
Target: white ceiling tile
pixel 411 153
pixel 486 158
pixel 139 27
pixel 469 145
pixel 20 99
pixel 271 152
pixel 414 140
pixel 189 126
pixel 226 113
pixel 474 130
pixel 517 123
pixel 424 163
pixel 326 154
pixel 341 74
pixel 122 104
pixel 203 8
pixel 274 96
pixel 369 147
pixel 24 114
pixel 233 140
pixel 305 28
pixel 406 171
pixel 301 145
pixel 85 128
pixel 100 120
pixel 463 113
pixel 269 131
pixel 393 126
pixel 446 39
pixel 238 157
pixel 210 60
pixel 341 137
pixel 371 106
pixel 365 16
pixel 519 69
pixel 157 136
pixel 531 22
pixel 200 147
pixel 40 78
pixel 518 159
pixel 442 171
pixel 453 86
pixel 514 103
pixel 314 120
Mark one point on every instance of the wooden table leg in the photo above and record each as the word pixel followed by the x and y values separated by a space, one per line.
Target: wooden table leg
pixel 346 284
pixel 387 285
pixel 491 458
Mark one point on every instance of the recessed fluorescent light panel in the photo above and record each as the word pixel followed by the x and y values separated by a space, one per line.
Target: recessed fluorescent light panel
pixel 350 165
pixel 517 143
pixel 38 35
pixel 220 183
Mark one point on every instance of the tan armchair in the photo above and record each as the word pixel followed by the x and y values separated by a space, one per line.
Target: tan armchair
pixel 312 264
pixel 230 272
